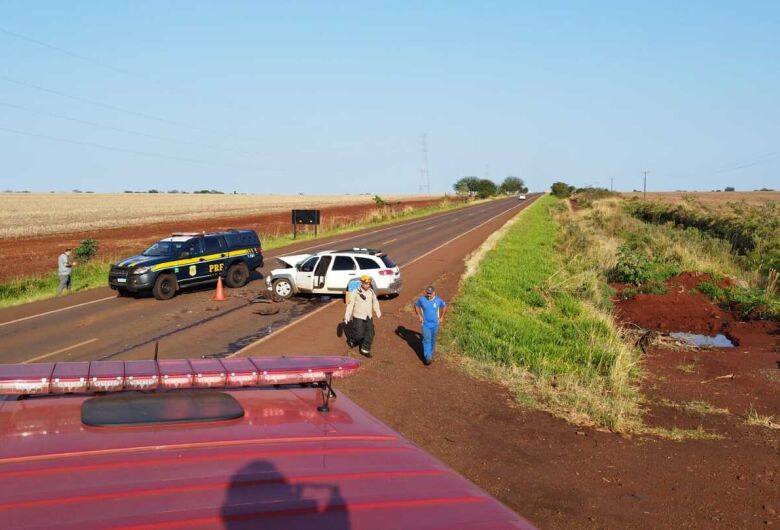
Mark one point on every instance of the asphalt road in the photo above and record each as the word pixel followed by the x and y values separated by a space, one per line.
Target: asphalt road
pixel 96 324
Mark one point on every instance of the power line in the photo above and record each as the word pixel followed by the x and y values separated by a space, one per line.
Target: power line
pixel 122 130
pixel 74 55
pixel 742 165
pixel 98 104
pixel 134 151
pixel 108 106
pixel 123 71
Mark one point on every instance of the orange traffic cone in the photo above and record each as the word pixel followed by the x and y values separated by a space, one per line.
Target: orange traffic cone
pixel 220 294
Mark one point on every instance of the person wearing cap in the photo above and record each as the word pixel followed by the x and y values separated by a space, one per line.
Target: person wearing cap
pixel 430 310
pixel 64 269
pixel 362 305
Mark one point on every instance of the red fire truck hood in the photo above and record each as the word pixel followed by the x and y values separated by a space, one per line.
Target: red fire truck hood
pixel 283 465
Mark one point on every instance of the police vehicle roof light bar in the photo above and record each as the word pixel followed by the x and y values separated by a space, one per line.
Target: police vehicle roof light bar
pixel 167 374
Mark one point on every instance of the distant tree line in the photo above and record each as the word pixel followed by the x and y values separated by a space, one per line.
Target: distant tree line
pixel 483 188
pixel 215 192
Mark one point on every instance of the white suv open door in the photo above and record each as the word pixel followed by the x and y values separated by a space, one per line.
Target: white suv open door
pixel 341 271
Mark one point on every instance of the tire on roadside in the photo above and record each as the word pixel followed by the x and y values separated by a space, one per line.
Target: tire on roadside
pixel 237 275
pixel 165 286
pixel 282 288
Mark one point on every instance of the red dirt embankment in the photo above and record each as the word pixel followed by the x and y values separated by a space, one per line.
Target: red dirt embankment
pixel 747 375
pixel 38 255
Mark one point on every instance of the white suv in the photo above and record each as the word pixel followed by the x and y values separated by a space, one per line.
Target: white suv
pixel 329 272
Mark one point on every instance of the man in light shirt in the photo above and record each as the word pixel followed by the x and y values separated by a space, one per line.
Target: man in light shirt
pixel 362 305
pixel 64 269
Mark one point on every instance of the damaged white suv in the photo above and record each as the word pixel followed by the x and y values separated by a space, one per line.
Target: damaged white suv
pixel 330 271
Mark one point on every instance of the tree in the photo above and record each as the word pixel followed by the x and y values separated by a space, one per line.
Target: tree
pixel 728 188
pixel 468 184
pixel 513 185
pixel 486 188
pixel 482 188
pixel 561 189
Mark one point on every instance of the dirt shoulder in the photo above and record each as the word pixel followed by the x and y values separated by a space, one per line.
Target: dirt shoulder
pixel 556 474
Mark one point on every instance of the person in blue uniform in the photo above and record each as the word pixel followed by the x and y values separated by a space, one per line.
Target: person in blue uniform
pixel 430 310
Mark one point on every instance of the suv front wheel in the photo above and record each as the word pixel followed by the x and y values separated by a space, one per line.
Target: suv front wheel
pixel 165 287
pixel 283 288
pixel 237 275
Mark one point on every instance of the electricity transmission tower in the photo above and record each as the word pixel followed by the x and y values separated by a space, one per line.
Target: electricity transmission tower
pixel 425 180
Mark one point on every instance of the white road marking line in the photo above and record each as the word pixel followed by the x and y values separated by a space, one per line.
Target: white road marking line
pixel 55 311
pixel 418 258
pixel 58 351
pixel 388 241
pixel 430 228
pixel 396 225
pixel 288 326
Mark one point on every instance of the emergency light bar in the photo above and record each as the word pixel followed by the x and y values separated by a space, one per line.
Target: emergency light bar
pixel 116 376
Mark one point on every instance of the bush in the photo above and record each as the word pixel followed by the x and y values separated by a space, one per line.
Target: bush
pixel 86 250
pixel 561 190
pixel 634 266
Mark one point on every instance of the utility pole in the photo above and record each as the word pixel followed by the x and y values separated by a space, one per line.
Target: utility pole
pixel 644 185
pixel 425 180
pixel 611 182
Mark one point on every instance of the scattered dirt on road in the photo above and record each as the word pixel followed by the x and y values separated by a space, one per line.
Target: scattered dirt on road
pixel 38 255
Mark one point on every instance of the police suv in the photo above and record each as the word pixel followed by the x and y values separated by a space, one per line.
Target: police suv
pixel 188 259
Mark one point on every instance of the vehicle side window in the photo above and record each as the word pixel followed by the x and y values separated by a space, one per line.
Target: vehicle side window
pixel 366 264
pixel 309 264
pixel 215 245
pixel 343 263
pixel 194 247
pixel 390 264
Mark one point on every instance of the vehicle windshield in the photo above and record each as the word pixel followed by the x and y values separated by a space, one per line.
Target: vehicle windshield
pixel 165 248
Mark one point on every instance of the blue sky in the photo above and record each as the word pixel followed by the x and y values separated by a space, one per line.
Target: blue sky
pixel 321 97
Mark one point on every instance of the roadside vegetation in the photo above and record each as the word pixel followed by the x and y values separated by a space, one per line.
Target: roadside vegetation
pixel 92 270
pixel 643 252
pixel 537 314
pixel 539 322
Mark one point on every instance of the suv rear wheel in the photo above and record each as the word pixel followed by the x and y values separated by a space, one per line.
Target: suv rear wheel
pixel 282 288
pixel 165 287
pixel 237 275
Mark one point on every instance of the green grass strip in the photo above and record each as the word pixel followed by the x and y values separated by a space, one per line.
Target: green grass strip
pixel 511 314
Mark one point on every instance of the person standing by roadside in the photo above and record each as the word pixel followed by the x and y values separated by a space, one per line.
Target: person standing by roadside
pixel 362 305
pixel 430 310
pixel 64 269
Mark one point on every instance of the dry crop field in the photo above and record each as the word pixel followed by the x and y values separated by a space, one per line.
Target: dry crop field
pixel 710 199
pixel 36 214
